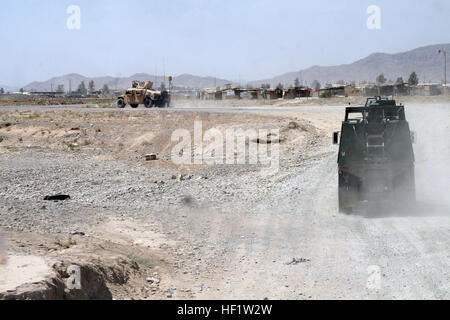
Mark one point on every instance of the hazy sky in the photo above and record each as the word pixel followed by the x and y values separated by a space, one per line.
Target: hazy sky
pixel 232 39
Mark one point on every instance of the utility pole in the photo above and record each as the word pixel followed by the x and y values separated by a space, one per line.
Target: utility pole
pixel 445 65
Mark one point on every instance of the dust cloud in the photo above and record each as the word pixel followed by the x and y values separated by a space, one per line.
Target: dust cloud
pixel 432 153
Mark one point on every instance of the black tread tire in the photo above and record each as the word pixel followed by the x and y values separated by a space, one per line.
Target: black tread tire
pixel 120 103
pixel 148 103
pixel 134 106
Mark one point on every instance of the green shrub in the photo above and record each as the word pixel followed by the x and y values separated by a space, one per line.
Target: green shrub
pixel 326 94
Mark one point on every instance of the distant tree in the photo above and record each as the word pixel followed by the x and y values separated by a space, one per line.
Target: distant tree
pixel 413 79
pixel 60 88
pixel 162 87
pixel 2 91
pixel 249 86
pixel 353 83
pixel 399 80
pixel 280 86
pixel 82 89
pixel 381 79
pixel 316 84
pixel 341 82
pixel 326 94
pixel 21 90
pixel 105 89
pixel 363 82
pixel 297 83
pixel 265 86
pixel 91 86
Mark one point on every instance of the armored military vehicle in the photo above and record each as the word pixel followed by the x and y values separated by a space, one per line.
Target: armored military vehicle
pixel 376 157
pixel 143 93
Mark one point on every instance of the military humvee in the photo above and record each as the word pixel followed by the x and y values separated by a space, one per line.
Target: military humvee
pixel 143 93
pixel 376 157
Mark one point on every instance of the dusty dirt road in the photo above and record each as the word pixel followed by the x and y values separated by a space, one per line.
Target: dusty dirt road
pixel 222 231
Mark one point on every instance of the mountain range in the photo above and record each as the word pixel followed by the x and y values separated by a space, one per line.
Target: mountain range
pixel 425 61
pixel 71 81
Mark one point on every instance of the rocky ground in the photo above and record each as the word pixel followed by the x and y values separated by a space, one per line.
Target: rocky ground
pixel 156 230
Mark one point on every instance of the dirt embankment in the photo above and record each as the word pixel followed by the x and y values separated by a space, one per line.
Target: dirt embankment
pixel 124 135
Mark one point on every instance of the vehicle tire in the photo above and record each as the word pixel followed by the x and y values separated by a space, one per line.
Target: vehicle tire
pixel 148 103
pixel 121 103
pixel 134 106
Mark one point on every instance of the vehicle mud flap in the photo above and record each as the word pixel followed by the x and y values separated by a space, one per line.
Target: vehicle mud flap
pixel 343 201
pixel 348 196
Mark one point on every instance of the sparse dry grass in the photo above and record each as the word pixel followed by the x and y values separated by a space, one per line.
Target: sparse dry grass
pixel 66 244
